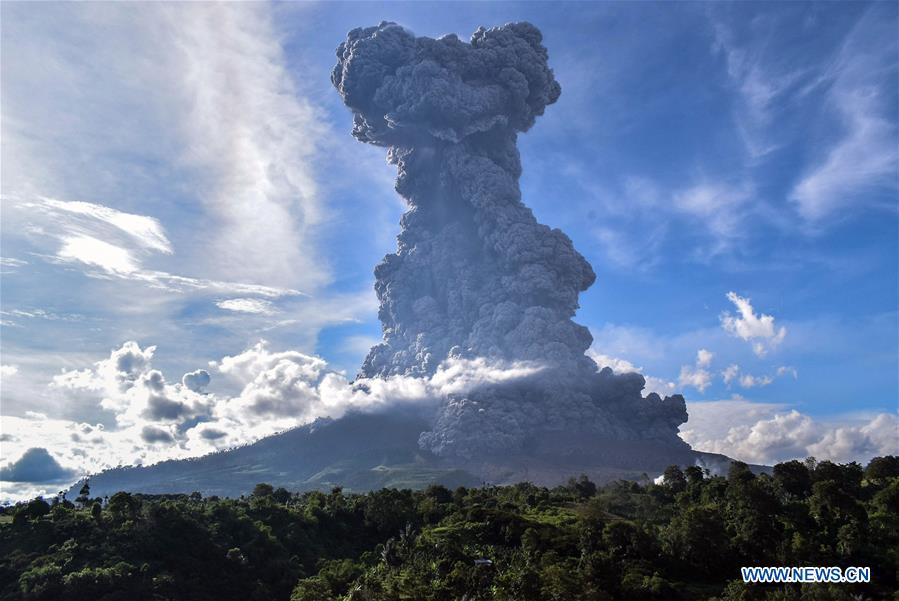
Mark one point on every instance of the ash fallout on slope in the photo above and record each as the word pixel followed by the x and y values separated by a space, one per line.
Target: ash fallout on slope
pixel 474 273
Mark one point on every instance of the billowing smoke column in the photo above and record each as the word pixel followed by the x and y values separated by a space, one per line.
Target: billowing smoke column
pixel 475 274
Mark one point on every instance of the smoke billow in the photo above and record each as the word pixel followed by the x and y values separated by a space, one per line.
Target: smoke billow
pixel 475 275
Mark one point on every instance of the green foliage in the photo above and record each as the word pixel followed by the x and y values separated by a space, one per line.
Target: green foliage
pixel 685 539
pixel 263 490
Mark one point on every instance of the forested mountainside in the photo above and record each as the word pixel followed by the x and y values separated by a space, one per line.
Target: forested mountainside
pixel 683 539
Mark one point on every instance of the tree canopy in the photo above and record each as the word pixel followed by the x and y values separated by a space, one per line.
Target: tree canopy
pixel 685 538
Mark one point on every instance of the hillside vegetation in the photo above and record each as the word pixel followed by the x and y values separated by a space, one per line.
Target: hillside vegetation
pixel 683 539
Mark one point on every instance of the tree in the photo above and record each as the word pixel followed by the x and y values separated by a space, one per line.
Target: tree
pixel 84 495
pixel 794 478
pixel 750 503
pixel 827 470
pixel 439 493
pixel 693 474
pixel 123 506
pixel 881 469
pixel 96 510
pixel 674 478
pixel 698 537
pixel 33 510
pixel 263 490
pixel 582 486
pixel 739 472
pixel 281 495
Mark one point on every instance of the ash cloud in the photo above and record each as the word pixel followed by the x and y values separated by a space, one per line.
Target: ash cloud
pixel 475 275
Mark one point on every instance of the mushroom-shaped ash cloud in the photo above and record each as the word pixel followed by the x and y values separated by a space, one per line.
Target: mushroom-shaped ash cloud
pixel 475 274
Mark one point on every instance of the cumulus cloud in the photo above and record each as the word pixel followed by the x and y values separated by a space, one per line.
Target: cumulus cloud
pixel 127 385
pixel 8 370
pixel 759 330
pixel 704 357
pixel 697 375
pixel 196 380
pixel 730 373
pixel 155 434
pixel 277 390
pixel 768 433
pixel 879 436
pixel 784 370
pixel 733 373
pixel 750 381
pixel 35 465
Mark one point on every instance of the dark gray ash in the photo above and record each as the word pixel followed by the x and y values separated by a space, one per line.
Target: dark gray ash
pixel 474 273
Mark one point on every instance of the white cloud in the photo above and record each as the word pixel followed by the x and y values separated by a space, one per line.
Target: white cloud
pixel 97 253
pixel 718 206
pixel 784 370
pixel 196 380
pixel 759 329
pixel 697 376
pixel 760 87
pixel 879 436
pixel 863 157
pixel 730 373
pixel 277 390
pixel 704 357
pixel 766 433
pixel 251 137
pixel 198 154
pixel 147 231
pixel 733 373
pixel 90 234
pixel 8 370
pixel 11 265
pixel 247 305
pixel 194 108
pixel 750 381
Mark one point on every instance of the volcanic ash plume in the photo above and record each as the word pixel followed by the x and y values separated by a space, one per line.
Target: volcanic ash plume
pixel 475 275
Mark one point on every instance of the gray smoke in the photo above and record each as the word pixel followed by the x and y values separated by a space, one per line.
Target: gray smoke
pixel 475 274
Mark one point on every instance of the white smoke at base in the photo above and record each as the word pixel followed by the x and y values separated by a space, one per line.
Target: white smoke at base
pixel 155 419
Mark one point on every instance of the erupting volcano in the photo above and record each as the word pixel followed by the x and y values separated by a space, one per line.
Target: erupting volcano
pixel 475 274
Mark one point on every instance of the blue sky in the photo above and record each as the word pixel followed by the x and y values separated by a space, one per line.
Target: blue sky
pixel 182 176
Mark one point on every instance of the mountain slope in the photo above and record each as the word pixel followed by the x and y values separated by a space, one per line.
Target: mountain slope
pixel 368 451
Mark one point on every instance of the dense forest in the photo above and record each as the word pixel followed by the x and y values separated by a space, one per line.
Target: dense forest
pixel 685 538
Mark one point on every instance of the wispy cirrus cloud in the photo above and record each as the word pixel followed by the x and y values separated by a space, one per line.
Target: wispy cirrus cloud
pixel 840 96
pixel 108 243
pixel 862 156
pixel 246 305
pixel 147 231
pixel 224 131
